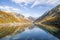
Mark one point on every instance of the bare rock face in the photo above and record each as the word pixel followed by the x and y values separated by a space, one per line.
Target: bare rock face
pixel 50 21
pixel 11 24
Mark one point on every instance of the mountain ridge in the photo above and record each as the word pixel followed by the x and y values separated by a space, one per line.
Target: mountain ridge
pixel 50 21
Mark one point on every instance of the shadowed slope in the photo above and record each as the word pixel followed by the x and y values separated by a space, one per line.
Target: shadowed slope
pixel 51 21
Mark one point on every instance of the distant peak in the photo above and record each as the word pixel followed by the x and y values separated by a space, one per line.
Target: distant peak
pixel 58 5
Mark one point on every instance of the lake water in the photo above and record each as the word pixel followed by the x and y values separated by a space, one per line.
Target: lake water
pixel 32 34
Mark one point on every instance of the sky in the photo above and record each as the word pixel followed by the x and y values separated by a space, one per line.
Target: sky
pixel 34 8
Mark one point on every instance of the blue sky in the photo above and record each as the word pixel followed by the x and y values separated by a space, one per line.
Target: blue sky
pixel 33 8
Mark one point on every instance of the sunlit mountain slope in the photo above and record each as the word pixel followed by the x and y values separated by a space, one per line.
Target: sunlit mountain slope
pixel 10 24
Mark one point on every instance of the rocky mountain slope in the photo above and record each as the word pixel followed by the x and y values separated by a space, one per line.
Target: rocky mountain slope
pixel 50 21
pixel 11 24
pixel 32 18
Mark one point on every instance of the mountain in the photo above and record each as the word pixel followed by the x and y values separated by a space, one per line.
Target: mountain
pixel 11 23
pixel 32 18
pixel 50 21
pixel 19 15
pixel 23 18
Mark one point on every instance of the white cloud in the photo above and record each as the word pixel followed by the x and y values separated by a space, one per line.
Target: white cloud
pixel 23 1
pixel 53 1
pixel 20 1
pixel 37 2
pixel 10 9
pixel 46 2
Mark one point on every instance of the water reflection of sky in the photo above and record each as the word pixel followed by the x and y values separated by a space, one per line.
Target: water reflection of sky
pixel 32 34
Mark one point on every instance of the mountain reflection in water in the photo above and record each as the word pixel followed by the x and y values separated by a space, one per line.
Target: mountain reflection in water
pixel 32 34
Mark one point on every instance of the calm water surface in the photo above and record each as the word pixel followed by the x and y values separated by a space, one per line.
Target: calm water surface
pixel 32 34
